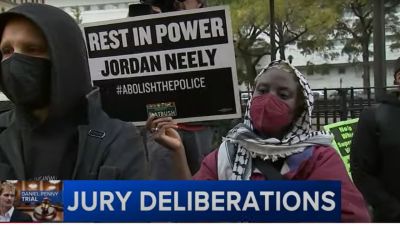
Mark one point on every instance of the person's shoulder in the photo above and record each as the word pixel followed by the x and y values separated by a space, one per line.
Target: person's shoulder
pixel 390 99
pixel 208 169
pixel 6 118
pixel 368 115
pixel 122 129
pixel 99 119
pixel 324 149
pixel 126 126
pixel 213 155
pixel 211 158
pixel 373 115
pixel 323 154
pixel 114 125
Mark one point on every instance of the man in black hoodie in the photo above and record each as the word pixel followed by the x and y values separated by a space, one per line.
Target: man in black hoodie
pixel 58 129
pixel 375 156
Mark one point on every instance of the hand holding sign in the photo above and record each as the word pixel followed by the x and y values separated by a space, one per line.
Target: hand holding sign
pixel 164 133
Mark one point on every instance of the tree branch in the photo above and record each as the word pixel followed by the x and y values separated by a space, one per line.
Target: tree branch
pixel 247 53
pixel 285 26
pixel 250 33
pixel 391 5
pixel 367 13
pixel 257 59
pixel 297 36
pixel 278 36
pixel 368 26
pixel 343 26
pixel 355 10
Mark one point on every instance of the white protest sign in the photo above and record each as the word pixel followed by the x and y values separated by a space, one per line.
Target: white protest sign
pixel 179 64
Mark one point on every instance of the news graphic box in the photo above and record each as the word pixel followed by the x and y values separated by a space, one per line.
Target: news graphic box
pixel 343 132
pixel 202 201
pixel 41 200
pixel 184 59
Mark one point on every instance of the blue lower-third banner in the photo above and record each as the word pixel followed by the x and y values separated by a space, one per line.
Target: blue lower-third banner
pixel 201 201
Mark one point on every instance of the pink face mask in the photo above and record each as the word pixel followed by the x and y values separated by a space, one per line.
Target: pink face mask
pixel 269 114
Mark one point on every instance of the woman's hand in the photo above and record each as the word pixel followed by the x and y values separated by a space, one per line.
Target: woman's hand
pixel 164 132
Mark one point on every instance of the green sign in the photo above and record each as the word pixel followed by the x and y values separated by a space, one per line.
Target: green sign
pixel 164 109
pixel 343 133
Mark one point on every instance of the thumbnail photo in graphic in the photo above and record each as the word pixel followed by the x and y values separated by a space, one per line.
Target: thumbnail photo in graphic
pixel 41 200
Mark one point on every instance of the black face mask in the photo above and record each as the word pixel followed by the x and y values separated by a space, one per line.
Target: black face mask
pixel 26 80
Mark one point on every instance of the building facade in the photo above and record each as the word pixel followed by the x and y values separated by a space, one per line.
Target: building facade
pixel 87 11
pixel 337 72
pixel 7 4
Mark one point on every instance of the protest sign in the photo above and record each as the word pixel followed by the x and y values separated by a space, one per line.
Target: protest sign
pixel 343 133
pixel 179 64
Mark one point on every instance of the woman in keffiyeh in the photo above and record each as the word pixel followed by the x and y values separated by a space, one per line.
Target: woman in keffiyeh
pixel 276 133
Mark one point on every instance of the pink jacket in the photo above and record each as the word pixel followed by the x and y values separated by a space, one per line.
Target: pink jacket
pixel 317 163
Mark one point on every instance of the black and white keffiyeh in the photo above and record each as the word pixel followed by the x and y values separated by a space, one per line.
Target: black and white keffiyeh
pixel 241 143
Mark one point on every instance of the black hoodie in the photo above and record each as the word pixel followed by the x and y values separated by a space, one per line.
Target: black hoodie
pixel 54 149
pixel 375 156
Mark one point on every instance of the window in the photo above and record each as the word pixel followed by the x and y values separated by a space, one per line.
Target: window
pixel 310 70
pixel 324 69
pixel 342 70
